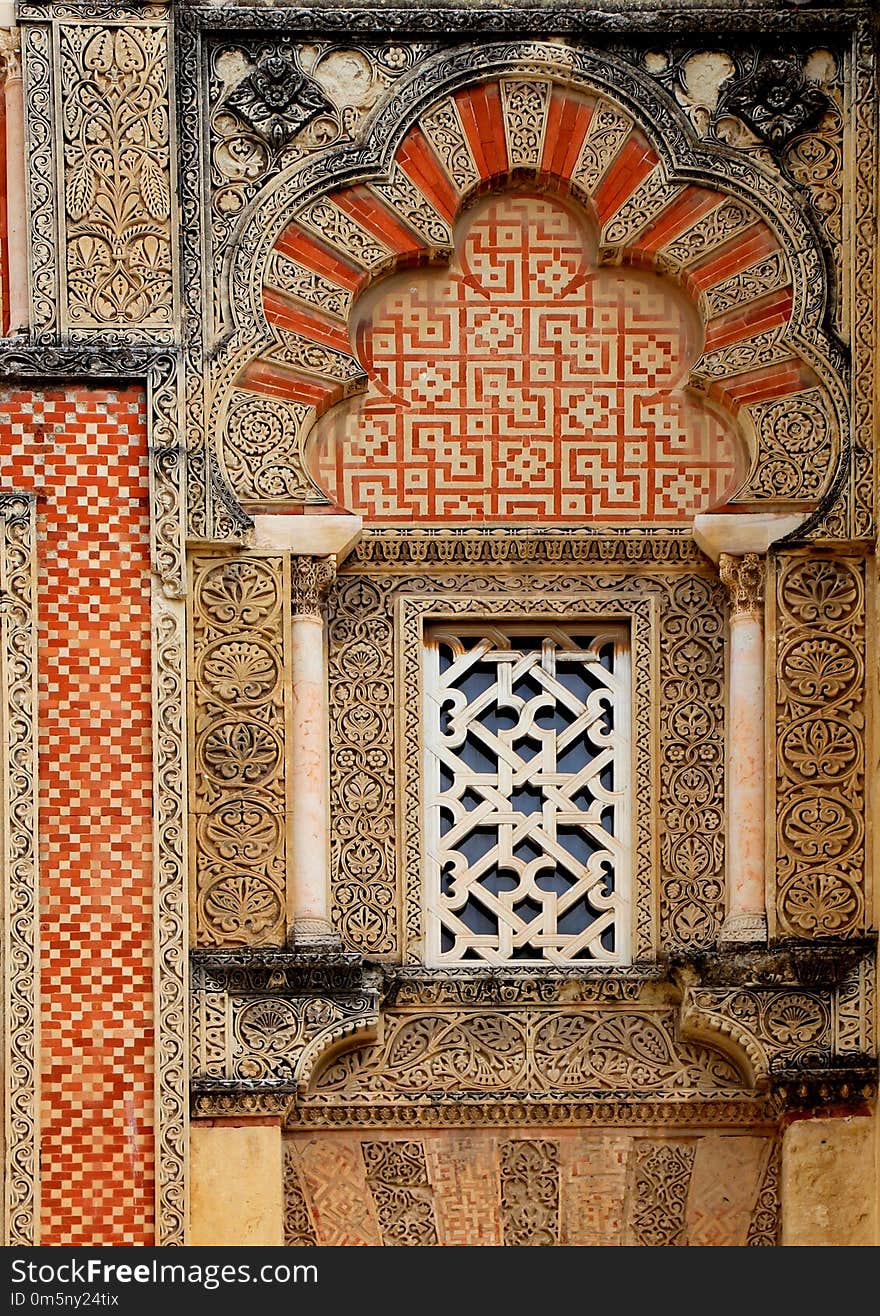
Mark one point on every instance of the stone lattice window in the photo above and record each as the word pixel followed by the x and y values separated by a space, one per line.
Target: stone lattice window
pixel 527 778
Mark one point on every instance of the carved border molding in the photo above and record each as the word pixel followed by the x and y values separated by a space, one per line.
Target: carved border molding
pixel 366 860
pixel 171 922
pixel 616 17
pixel 413 613
pixel 19 862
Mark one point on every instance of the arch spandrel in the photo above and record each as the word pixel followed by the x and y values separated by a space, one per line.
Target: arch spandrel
pixel 732 239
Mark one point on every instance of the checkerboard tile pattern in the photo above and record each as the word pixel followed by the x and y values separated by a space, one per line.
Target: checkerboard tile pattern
pixel 528 385
pixel 85 452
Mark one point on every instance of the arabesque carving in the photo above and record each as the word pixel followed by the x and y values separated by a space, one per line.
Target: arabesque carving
pixel 663 1174
pixel 558 1053
pixel 530 1192
pixel 397 1178
pixel 820 727
pixel 237 719
pixel 268 1022
pixel 117 177
pixel 18 865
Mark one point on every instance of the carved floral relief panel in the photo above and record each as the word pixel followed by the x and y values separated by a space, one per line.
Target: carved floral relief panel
pixel 239 814
pixel 103 255
pixel 823 744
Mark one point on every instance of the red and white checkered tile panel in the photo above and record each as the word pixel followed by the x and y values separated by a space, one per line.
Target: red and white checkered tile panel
pixel 85 452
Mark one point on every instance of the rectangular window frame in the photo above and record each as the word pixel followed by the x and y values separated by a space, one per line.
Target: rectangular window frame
pixel 415 612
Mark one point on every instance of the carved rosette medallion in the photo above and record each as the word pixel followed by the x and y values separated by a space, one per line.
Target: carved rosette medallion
pixel 821 721
pixel 237 733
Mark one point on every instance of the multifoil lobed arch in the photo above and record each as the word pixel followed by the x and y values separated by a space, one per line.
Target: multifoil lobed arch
pixel 537 116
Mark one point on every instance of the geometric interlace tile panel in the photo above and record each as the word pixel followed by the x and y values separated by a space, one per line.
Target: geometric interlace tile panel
pixel 527 765
pixel 525 384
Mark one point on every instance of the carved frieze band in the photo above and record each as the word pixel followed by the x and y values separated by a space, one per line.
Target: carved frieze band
pixel 237 710
pixel 19 859
pixel 560 1053
pixel 822 747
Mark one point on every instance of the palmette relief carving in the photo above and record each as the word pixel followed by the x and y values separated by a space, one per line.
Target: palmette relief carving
pixel 777 1030
pixel 820 735
pixel 263 1036
pixel 560 1053
pixel 238 738
pixel 117 177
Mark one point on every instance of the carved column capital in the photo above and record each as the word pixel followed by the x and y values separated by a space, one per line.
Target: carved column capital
pixel 743 578
pixel 10 55
pixel 311 579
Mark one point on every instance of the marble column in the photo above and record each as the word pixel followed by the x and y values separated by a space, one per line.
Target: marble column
pixel 310 580
pixel 746 920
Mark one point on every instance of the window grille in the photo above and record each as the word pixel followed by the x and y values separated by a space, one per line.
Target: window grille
pixel 527 782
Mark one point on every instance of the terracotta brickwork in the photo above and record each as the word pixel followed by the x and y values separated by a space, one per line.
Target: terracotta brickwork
pixel 84 451
pixel 527 385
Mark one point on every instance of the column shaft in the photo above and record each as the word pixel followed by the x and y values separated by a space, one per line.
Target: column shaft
pixel 311 578
pixel 746 900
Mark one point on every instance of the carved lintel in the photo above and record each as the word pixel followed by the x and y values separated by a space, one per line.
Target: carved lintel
pixel 264 1022
pixel 311 579
pixel 743 578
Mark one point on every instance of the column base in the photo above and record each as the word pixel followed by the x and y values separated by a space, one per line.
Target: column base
pixel 316 932
pixel 739 929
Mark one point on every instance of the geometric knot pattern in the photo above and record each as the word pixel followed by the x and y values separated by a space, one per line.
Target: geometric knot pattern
pixel 526 384
pixel 527 779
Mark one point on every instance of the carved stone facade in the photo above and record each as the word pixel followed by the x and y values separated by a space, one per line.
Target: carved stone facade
pixel 384 362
